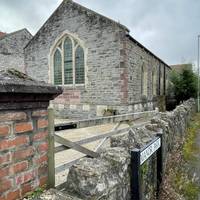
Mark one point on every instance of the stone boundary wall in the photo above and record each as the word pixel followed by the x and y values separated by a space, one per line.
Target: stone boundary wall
pixel 108 177
pixel 23 133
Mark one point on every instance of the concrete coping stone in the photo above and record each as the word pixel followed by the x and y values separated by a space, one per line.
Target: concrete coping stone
pixel 13 81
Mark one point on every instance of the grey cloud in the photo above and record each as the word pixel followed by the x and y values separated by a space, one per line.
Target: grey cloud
pixel 31 14
pixel 168 28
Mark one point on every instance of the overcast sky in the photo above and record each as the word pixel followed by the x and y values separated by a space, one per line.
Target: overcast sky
pixel 169 28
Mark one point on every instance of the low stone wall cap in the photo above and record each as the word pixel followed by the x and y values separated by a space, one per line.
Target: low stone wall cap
pixel 13 81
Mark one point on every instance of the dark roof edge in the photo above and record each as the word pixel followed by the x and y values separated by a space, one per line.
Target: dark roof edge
pixel 122 26
pixel 15 32
pixel 147 50
pixel 28 31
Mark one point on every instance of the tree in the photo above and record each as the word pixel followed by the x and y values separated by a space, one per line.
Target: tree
pixel 184 85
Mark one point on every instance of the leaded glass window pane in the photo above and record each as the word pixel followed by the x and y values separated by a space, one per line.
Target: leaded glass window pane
pixel 79 66
pixel 68 67
pixel 57 68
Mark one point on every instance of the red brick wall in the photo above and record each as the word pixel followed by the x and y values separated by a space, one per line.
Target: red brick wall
pixel 23 152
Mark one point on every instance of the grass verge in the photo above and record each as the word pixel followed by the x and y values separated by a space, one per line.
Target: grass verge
pixel 179 183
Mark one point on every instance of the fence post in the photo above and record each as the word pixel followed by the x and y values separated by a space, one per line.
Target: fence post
pixel 159 162
pixel 51 160
pixel 135 175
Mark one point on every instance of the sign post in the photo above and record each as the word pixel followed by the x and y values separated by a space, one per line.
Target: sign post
pixel 159 163
pixel 138 157
pixel 135 176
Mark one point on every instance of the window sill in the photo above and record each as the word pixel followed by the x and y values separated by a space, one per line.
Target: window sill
pixel 77 86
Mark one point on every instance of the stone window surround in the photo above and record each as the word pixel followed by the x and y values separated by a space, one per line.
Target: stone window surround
pixel 161 81
pixel 53 49
pixel 144 80
pixel 154 82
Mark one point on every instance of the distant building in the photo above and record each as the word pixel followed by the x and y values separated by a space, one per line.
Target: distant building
pixel 12 49
pixel 2 34
pixel 180 67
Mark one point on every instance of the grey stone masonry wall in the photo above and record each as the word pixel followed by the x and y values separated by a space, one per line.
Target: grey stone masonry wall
pixel 12 49
pixel 135 58
pixel 101 39
pixel 108 177
pixel 113 63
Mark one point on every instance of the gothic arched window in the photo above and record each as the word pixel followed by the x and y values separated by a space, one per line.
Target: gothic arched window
pixel 154 82
pixel 79 65
pixel 144 80
pixel 68 62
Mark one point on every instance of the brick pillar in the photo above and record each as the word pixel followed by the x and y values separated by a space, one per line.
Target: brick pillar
pixel 23 133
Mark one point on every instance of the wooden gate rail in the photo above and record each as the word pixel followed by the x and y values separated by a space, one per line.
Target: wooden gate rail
pixel 73 145
pixel 88 140
pixel 92 139
pixel 67 144
pixel 103 120
pixel 98 137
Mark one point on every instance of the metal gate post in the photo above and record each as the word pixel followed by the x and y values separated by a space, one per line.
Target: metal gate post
pixel 159 162
pixel 135 175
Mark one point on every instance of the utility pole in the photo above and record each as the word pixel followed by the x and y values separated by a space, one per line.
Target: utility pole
pixel 198 106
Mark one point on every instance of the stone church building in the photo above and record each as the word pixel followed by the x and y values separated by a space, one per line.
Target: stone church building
pixel 99 65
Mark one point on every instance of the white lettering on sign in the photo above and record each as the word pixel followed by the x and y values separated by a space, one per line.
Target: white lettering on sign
pixel 146 153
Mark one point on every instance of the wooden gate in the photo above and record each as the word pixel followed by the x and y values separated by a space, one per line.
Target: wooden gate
pixel 67 144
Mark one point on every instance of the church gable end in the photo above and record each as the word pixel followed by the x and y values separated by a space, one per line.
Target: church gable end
pixel 95 69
